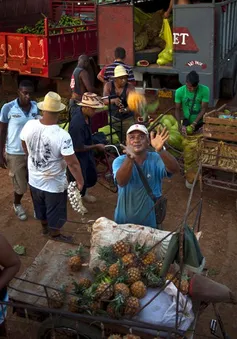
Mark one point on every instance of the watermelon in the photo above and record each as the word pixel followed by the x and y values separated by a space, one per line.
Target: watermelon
pixel 142 63
pixel 166 123
pixel 176 140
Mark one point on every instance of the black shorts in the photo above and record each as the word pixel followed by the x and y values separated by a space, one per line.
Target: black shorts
pixel 50 206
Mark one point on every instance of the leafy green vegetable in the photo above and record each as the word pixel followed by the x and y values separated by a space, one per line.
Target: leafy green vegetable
pixel 20 250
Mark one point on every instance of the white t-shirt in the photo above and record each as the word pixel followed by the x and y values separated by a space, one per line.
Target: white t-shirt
pixel 46 146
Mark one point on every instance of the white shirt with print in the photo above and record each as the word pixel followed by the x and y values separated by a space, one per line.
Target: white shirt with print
pixel 46 146
pixel 13 115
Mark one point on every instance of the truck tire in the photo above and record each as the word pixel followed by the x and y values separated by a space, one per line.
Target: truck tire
pixel 67 328
pixel 229 87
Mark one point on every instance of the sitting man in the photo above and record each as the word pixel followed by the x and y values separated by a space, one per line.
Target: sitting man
pixel 193 98
pixel 119 87
pixel 134 203
pixel 80 131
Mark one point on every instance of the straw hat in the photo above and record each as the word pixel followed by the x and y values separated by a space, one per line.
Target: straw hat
pixel 91 100
pixel 51 103
pixel 120 71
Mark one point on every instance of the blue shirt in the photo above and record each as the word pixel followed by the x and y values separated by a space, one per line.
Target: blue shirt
pixel 133 202
pixel 13 115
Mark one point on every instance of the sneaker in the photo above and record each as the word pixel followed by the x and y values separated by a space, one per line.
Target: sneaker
pixel 62 238
pixel 20 212
pixel 89 198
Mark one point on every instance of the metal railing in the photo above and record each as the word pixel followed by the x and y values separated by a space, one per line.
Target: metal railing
pixel 226 26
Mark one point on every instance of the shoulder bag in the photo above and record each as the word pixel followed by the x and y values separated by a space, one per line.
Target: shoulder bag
pixel 160 204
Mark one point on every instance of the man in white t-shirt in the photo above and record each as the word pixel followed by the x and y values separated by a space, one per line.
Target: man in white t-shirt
pixel 50 151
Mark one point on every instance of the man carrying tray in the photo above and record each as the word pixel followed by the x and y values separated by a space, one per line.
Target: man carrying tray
pixel 134 203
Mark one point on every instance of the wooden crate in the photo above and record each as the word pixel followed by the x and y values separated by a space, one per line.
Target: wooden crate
pixel 218 155
pixel 220 128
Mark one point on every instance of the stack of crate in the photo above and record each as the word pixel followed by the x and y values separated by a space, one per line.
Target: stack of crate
pixel 218 148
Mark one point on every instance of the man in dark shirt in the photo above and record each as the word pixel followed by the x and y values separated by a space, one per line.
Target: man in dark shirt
pixel 80 131
pixel 120 56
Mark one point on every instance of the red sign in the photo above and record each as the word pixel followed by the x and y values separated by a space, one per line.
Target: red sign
pixel 196 63
pixel 183 41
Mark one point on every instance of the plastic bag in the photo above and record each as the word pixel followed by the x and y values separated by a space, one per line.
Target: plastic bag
pixel 166 56
pixel 162 310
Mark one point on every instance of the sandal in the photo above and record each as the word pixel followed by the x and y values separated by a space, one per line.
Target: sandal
pixel 62 238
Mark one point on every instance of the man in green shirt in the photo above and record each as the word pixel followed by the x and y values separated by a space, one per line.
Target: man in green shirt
pixel 193 98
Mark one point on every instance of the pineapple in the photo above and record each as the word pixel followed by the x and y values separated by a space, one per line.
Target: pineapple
pixel 75 260
pixel 104 291
pixel 121 289
pixel 107 255
pixel 73 305
pixel 131 336
pixel 74 263
pixel 184 286
pixel 138 289
pixel 170 277
pixel 128 259
pixel 134 275
pixel 159 265
pixel 132 306
pixel 149 258
pixel 114 270
pixel 84 283
pixel 152 278
pixel 95 306
pixel 56 299
pixel 103 269
pixel 111 311
pixel 121 248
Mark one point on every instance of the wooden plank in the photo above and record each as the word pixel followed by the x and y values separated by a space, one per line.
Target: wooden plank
pixel 219 121
pixel 220 128
pixel 49 268
pixel 220 136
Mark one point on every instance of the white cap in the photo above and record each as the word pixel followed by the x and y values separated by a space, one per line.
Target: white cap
pixel 138 127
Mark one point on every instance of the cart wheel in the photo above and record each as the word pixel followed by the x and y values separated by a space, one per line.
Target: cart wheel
pixel 63 328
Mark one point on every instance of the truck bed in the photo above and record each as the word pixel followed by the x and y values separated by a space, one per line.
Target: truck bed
pixel 44 55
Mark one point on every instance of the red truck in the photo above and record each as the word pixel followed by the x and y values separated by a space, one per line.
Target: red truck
pixel 43 56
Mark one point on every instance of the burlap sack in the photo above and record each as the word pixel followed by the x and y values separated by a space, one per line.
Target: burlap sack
pixel 106 232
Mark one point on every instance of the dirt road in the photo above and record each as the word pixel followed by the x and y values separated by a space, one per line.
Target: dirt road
pixel 218 241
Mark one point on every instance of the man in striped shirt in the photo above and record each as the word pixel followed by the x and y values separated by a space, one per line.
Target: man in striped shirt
pixel 120 55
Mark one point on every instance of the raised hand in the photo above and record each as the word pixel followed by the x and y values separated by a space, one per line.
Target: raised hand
pixel 158 140
pixel 128 150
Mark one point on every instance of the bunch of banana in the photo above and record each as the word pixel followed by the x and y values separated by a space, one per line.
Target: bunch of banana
pixel 65 21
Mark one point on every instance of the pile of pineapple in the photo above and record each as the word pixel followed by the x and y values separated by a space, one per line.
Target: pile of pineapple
pixel 119 284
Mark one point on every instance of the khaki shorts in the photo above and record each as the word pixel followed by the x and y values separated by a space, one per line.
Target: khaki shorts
pixel 17 165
